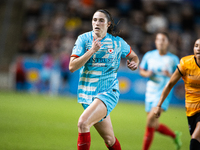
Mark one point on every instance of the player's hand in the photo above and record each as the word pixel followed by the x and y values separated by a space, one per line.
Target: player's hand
pixel 132 65
pixel 166 73
pixel 96 44
pixel 149 73
pixel 157 111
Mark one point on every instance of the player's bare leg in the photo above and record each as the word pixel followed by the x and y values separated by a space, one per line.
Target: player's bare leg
pixel 195 138
pixel 152 121
pixel 105 129
pixel 154 125
pixel 95 112
pixel 92 114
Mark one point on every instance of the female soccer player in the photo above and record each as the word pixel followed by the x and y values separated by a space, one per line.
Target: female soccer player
pixel 189 70
pixel 158 65
pixel 97 54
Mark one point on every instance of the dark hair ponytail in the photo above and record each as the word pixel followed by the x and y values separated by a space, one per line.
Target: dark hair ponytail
pixel 110 19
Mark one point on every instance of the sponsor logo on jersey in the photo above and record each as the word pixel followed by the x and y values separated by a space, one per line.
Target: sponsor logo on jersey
pixel 100 60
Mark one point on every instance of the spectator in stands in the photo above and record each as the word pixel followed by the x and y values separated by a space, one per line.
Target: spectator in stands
pixel 45 74
pixel 20 75
pixel 65 74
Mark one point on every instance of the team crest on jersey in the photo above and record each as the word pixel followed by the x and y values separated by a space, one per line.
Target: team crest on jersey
pixel 110 50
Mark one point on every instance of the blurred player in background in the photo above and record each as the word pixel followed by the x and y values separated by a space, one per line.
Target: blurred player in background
pixel 97 54
pixel 158 65
pixel 189 70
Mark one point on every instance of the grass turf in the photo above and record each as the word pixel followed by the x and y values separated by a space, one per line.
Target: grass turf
pixel 42 122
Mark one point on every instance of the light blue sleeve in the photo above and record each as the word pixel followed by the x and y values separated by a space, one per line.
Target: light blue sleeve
pixel 144 64
pixel 79 46
pixel 125 48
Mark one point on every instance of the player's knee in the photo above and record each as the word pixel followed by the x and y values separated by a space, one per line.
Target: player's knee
pixel 196 133
pixel 82 125
pixel 152 121
pixel 196 136
pixel 109 140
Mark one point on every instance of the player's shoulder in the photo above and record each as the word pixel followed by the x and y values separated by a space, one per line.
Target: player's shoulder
pixel 86 35
pixel 187 59
pixel 151 52
pixel 115 38
pixel 173 55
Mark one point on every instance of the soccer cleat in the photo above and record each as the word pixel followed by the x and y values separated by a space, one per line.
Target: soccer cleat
pixel 177 140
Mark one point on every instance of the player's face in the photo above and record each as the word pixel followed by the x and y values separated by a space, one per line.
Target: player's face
pixel 100 24
pixel 197 49
pixel 161 43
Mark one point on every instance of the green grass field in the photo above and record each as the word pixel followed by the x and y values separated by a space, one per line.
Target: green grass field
pixel 42 122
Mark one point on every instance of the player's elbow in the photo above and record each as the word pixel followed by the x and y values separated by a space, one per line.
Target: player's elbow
pixel 141 74
pixel 71 68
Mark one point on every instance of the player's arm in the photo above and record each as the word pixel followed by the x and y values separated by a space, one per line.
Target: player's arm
pixel 145 73
pixel 173 80
pixel 77 62
pixel 166 73
pixel 133 61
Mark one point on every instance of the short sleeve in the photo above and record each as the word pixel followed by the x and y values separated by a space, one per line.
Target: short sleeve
pixel 126 49
pixel 144 64
pixel 181 67
pixel 79 47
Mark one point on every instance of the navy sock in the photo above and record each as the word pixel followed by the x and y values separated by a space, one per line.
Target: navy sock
pixel 194 144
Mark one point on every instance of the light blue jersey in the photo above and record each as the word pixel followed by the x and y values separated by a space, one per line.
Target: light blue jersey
pixel 153 61
pixel 99 74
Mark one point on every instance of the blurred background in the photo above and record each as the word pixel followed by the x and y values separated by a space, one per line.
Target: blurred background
pixel 37 37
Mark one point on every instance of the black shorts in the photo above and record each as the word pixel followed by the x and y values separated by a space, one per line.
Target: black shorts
pixel 192 121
